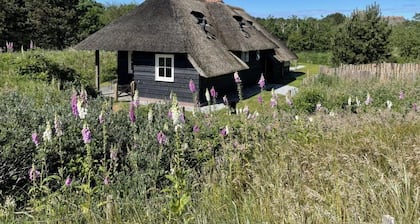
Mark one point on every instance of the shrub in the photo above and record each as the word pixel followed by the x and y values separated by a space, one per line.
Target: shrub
pixel 307 99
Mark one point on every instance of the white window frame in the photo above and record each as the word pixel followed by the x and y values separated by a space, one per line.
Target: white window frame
pixel 245 56
pixel 164 79
pixel 130 62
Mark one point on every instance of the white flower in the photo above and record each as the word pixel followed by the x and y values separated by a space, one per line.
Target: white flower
pixel 389 104
pixel 311 119
pixel 207 95
pixel 47 133
pixel 357 102
pixel 82 110
pixel 332 114
pixel 150 115
pixel 349 101
pixel 297 117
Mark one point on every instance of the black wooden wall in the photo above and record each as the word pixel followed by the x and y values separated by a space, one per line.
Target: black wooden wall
pixel 144 75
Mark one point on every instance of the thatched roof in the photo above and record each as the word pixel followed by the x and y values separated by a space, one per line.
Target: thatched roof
pixel 206 31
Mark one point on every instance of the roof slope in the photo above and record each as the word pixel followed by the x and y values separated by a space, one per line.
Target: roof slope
pixel 206 31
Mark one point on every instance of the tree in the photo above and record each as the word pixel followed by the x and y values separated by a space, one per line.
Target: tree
pixel 363 39
pixel 53 22
pixel 88 18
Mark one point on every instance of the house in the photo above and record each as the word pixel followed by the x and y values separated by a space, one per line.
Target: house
pixel 163 44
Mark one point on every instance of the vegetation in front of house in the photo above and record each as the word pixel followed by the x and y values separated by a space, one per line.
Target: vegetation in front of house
pixel 340 150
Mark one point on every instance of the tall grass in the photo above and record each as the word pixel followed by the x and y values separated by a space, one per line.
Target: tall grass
pixel 293 163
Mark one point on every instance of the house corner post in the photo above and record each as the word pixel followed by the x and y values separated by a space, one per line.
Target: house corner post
pixel 97 70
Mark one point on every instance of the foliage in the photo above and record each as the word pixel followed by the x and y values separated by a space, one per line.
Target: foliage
pixel 39 67
pixel 405 39
pixel 211 167
pixel 363 39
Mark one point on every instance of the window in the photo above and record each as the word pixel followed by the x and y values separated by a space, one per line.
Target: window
pixel 164 67
pixel 245 56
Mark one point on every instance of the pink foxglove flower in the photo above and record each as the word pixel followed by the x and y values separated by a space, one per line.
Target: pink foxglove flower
pixel 273 102
pixel 260 99
pixel 68 181
pixel 415 107
pixel 106 180
pixel 261 82
pixel 402 95
pixel 161 138
pixel 192 86
pixel 225 131
pixel 33 173
pixel 213 92
pixel 35 139
pixel 9 46
pixel 196 129
pixel 132 113
pixel 86 134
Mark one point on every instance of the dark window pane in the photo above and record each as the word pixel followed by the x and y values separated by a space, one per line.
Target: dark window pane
pixel 161 62
pixel 168 72
pixel 168 62
pixel 161 72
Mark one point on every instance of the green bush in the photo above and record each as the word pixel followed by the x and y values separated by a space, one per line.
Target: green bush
pixel 39 67
pixel 307 98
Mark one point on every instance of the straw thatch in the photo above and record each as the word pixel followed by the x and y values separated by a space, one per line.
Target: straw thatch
pixel 172 26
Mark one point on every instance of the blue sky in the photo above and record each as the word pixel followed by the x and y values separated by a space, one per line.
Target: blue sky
pixel 311 8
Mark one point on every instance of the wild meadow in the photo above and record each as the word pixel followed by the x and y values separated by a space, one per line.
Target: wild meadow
pixel 339 151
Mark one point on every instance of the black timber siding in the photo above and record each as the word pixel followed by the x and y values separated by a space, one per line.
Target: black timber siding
pixel 144 75
pixel 224 85
pixel 122 68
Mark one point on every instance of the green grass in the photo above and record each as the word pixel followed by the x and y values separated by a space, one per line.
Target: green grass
pixel 283 166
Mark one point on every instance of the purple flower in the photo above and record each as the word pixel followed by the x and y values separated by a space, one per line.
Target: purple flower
pixel 237 78
pixel 87 136
pixel 182 118
pixel 261 82
pixel 415 107
pixel 196 129
pixel 192 86
pixel 401 95
pixel 260 99
pixel 9 46
pixel 35 139
pixel 74 109
pixel 68 181
pixel 161 138
pixel 273 102
pixel 106 180
pixel 132 113
pixel 213 92
pixel 224 132
pixel 33 173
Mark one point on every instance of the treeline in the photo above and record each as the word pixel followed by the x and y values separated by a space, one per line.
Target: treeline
pixel 397 41
pixel 52 24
